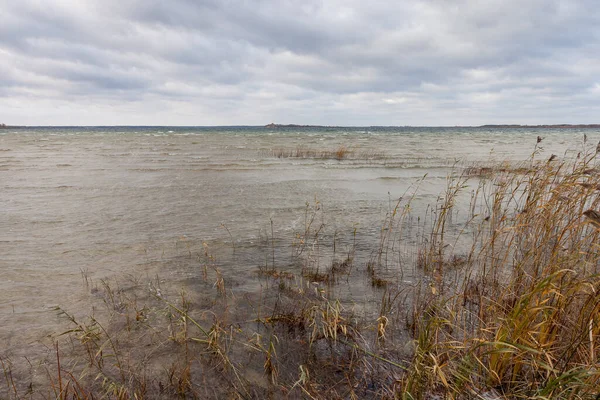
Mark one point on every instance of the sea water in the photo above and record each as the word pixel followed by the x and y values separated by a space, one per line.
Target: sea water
pixel 80 205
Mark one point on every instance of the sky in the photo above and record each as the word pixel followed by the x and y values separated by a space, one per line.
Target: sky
pixel 328 62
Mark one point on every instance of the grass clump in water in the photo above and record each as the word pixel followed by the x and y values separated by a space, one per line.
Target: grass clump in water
pixel 342 152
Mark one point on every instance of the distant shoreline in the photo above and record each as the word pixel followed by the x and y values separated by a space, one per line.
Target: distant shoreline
pixel 299 126
pixel 596 126
pixel 276 126
pixel 493 126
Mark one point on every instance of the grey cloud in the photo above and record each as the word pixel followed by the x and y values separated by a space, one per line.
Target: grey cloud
pixel 382 62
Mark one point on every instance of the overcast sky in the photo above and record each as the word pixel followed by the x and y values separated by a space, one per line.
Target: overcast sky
pixel 330 62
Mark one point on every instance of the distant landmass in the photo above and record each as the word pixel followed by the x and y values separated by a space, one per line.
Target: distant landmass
pixel 488 126
pixel 596 126
pixel 4 126
pixel 492 126
pixel 276 126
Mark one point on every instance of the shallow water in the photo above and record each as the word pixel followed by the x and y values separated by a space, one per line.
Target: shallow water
pixel 95 203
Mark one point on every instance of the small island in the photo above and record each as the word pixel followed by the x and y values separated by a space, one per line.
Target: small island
pixel 4 126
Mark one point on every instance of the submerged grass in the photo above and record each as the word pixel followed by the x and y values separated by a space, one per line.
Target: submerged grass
pixel 340 153
pixel 506 305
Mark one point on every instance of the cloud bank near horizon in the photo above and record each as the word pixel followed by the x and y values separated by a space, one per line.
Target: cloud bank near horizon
pixel 221 62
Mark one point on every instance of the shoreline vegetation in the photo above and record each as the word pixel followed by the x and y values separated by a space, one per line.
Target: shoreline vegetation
pixel 513 312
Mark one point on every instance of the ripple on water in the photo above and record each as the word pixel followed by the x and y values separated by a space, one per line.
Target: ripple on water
pixel 97 200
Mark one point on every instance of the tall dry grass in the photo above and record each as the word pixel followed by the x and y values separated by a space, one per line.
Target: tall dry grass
pixel 521 320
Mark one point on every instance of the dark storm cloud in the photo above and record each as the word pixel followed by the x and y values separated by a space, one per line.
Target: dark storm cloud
pixel 331 62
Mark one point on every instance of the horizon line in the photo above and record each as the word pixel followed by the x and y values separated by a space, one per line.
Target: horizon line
pixel 592 125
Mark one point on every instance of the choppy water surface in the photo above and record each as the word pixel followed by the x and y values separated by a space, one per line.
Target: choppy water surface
pixel 95 203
